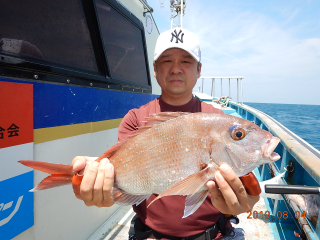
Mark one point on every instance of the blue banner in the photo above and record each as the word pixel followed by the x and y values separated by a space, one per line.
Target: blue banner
pixel 16 205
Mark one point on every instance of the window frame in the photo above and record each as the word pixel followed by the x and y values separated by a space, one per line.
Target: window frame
pixel 48 71
pixel 137 23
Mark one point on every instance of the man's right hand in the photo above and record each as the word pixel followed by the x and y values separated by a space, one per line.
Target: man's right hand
pixel 97 182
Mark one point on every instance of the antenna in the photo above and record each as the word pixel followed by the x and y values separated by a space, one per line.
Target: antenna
pixel 177 8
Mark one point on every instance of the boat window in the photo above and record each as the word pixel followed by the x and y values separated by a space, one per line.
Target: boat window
pixel 123 45
pixel 47 31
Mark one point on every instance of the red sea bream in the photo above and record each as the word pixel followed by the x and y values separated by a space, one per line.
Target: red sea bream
pixel 176 154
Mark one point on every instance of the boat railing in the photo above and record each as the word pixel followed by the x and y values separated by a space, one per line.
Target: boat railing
pixel 239 86
pixel 299 160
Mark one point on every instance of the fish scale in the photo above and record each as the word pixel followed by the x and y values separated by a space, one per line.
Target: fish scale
pixel 161 165
pixel 173 154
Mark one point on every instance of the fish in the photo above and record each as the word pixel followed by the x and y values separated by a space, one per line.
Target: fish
pixel 175 153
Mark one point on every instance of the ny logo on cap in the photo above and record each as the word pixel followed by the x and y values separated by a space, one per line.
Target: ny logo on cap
pixel 176 35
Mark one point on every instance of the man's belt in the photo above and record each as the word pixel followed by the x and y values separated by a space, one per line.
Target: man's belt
pixel 143 232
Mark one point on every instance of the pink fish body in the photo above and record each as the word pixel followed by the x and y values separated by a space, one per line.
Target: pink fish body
pixel 177 153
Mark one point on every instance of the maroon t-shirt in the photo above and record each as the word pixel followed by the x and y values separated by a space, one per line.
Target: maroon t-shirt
pixel 165 214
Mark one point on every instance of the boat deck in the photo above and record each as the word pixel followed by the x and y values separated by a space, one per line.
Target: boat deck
pixel 121 230
pixel 254 229
pixel 258 228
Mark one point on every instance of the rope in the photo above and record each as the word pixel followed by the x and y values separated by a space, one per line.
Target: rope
pixel 223 101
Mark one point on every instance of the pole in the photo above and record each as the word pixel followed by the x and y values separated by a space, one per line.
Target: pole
pixel 241 93
pixel 229 89
pixel 212 88
pixel 181 12
pixel 237 90
pixel 202 85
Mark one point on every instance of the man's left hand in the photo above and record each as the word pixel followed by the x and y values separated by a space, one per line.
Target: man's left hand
pixel 228 194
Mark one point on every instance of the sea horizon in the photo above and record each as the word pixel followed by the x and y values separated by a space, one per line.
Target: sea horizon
pixel 287 103
pixel 301 119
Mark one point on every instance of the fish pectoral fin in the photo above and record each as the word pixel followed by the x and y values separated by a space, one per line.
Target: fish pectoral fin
pixel 193 202
pixel 190 185
pixel 123 198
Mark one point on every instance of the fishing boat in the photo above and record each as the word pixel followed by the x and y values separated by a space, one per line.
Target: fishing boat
pixel 69 72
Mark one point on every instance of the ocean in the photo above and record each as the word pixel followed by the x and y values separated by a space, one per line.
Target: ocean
pixel 303 120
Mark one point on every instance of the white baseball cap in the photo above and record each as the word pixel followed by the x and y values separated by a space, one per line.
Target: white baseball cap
pixel 178 38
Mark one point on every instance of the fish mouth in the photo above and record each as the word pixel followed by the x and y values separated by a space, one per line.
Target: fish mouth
pixel 268 149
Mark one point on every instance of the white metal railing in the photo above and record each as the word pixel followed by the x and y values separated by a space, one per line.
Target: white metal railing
pixel 213 86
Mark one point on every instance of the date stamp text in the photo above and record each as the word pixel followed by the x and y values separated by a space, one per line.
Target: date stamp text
pixel 279 215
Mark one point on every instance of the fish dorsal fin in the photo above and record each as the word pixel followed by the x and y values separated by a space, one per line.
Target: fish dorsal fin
pixel 158 118
pixel 111 150
pixel 154 119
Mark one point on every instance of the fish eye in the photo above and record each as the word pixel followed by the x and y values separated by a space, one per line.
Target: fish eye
pixel 238 133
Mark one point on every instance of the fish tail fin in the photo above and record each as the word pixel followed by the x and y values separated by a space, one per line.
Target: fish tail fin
pixel 51 168
pixel 54 180
pixel 60 174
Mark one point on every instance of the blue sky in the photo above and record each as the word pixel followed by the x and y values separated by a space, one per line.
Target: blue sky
pixel 274 45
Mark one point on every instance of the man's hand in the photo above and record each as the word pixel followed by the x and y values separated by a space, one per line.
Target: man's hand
pixel 97 182
pixel 228 194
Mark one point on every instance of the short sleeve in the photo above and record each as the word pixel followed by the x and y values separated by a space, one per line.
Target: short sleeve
pixel 128 125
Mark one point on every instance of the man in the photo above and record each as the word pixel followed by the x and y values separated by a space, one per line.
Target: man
pixel 176 67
